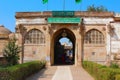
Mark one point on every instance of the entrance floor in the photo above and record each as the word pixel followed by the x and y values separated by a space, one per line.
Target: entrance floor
pixel 61 73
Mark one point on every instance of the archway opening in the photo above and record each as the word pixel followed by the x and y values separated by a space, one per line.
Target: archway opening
pixel 64 47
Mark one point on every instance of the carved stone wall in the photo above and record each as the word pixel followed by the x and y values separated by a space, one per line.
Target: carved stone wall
pixel 91 20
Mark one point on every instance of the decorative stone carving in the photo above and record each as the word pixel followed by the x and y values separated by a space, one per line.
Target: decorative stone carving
pixel 50 31
pixel 20 29
pixel 54 27
pixel 75 27
pixel 104 29
pixel 44 28
pixel 17 28
pixel 110 29
pixel 82 27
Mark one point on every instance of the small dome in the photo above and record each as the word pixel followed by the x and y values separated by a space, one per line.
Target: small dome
pixel 4 30
pixel 12 35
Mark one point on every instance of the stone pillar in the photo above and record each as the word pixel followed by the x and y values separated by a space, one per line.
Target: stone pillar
pixel 78 46
pixel 110 33
pixel 20 31
pixel 81 42
pixel 19 40
pixel 48 45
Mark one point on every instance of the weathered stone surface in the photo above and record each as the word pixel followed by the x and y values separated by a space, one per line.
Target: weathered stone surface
pixel 77 13
pixel 4 37
pixel 91 20
pixel 31 21
pixel 97 20
pixel 106 22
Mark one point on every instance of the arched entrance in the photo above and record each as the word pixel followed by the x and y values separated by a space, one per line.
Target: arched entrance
pixel 63 53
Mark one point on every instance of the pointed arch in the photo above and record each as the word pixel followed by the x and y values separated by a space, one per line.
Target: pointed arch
pixel 94 36
pixel 55 39
pixel 35 36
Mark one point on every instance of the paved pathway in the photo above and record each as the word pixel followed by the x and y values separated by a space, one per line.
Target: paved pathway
pixel 44 74
pixel 79 73
pixel 61 73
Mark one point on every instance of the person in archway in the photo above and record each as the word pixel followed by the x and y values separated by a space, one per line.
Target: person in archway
pixel 57 53
pixel 70 55
pixel 63 58
pixel 67 57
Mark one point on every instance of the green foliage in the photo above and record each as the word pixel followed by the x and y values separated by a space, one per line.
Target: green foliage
pixel 100 72
pixel 21 71
pixel 11 52
pixel 114 65
pixel 78 1
pixel 117 77
pixel 97 9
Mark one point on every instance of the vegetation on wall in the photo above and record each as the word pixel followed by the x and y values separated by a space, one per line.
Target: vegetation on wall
pixel 11 52
pixel 97 8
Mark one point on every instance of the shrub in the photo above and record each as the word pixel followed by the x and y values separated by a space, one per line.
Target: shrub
pixel 21 71
pixel 117 77
pixel 97 8
pixel 11 52
pixel 114 65
pixel 100 72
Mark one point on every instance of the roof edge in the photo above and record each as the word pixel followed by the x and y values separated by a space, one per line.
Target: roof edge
pixel 77 14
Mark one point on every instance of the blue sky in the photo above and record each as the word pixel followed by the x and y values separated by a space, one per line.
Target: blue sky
pixel 66 40
pixel 8 8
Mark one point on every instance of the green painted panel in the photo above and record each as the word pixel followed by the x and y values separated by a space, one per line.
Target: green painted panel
pixel 62 13
pixel 63 20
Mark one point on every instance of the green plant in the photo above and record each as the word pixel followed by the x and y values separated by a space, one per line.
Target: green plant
pixel 100 72
pixel 117 77
pixel 20 71
pixel 11 52
pixel 97 8
pixel 114 65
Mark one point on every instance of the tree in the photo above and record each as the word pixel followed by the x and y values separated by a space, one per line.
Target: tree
pixel 11 52
pixel 97 8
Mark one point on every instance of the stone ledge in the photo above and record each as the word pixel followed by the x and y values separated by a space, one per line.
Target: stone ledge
pixel 94 45
pixel 77 14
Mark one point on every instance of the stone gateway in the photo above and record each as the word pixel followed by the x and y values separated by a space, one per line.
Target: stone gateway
pixel 95 35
